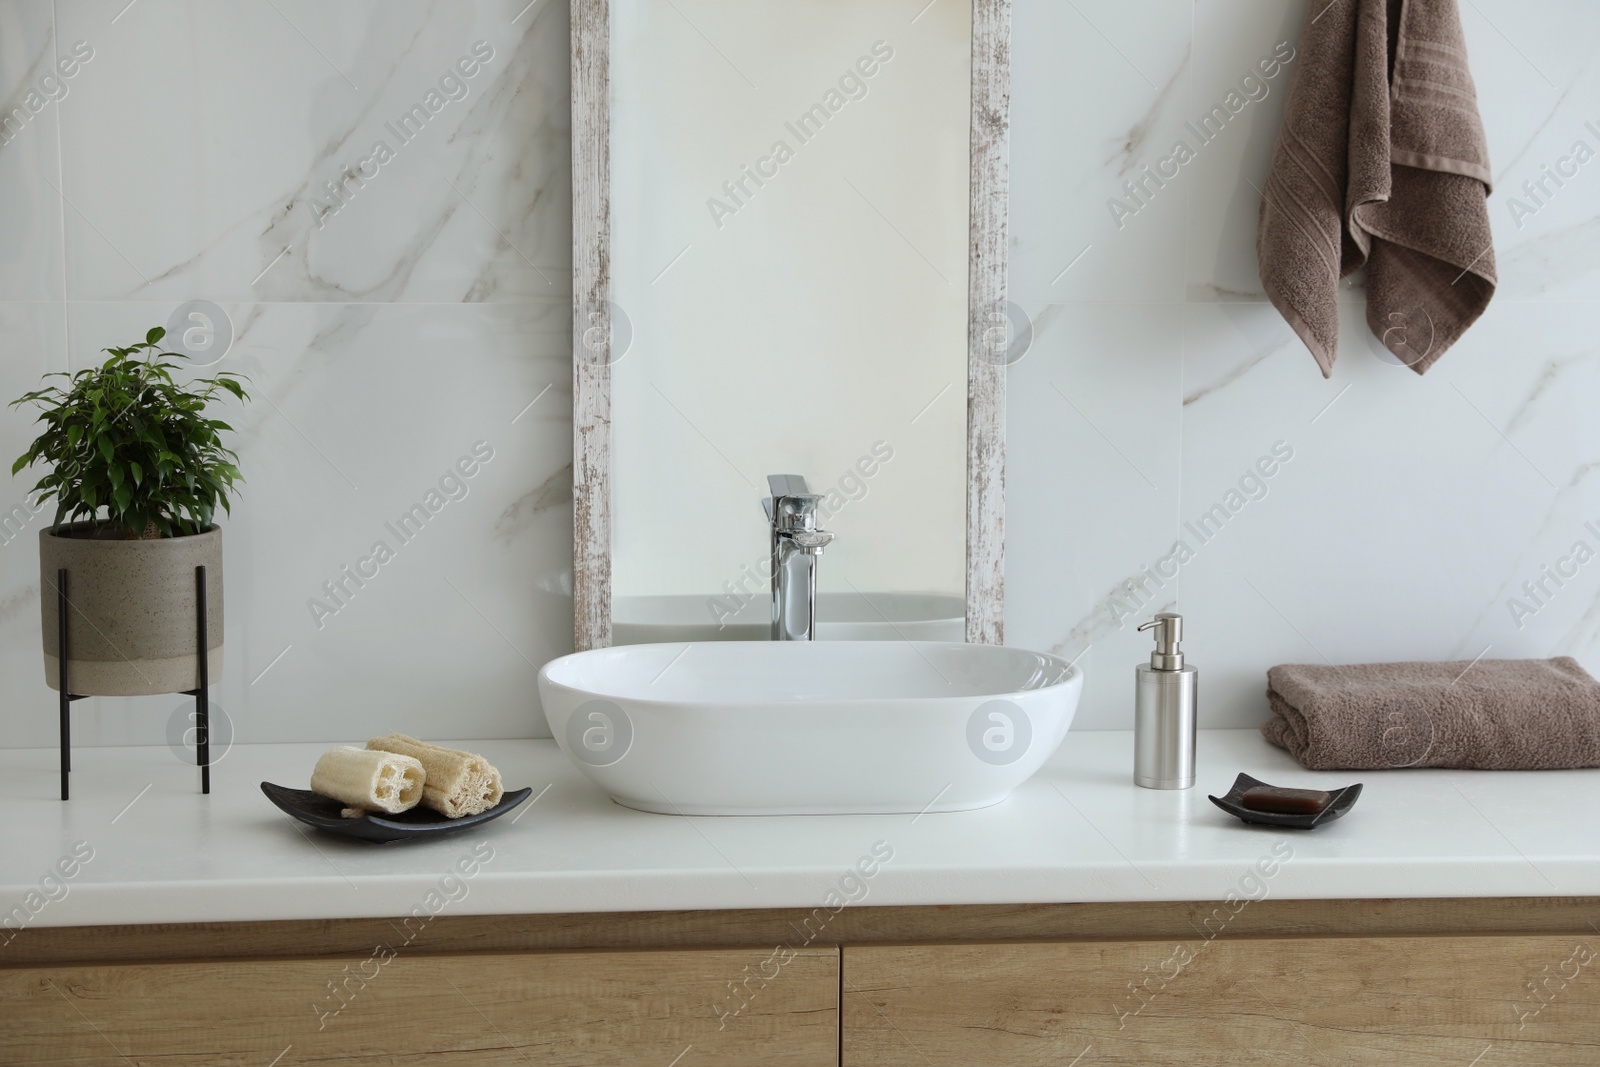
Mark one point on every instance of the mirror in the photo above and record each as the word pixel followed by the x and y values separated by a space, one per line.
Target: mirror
pixel 779 244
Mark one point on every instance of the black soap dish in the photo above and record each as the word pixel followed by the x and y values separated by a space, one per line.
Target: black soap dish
pixel 1339 802
pixel 314 809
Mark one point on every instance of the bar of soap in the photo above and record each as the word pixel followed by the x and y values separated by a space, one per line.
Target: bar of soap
pixel 1285 801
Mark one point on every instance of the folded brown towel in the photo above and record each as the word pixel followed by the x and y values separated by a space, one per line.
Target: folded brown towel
pixel 1492 715
pixel 1381 162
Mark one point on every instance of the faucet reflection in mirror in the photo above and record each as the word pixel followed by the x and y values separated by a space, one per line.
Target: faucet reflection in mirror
pixel 797 543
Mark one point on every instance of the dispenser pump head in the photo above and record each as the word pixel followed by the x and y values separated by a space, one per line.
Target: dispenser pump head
pixel 1168 627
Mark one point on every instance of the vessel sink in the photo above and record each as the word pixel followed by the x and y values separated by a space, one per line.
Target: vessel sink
pixel 840 617
pixel 809 727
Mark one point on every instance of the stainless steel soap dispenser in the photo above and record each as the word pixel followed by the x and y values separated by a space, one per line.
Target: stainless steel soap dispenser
pixel 1164 703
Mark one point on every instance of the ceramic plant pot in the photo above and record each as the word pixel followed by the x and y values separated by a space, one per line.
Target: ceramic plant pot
pixel 132 615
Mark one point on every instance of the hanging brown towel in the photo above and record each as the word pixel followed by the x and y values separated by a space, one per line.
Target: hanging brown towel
pixel 1381 162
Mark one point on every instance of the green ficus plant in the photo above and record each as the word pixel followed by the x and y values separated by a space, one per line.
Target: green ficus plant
pixel 127 439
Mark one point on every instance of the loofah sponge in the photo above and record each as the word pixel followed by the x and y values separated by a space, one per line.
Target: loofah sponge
pixel 368 779
pixel 457 783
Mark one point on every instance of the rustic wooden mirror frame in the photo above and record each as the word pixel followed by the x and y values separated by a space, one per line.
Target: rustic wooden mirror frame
pixel 987 330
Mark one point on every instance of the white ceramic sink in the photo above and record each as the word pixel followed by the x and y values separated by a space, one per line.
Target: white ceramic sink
pixel 809 728
pixel 840 617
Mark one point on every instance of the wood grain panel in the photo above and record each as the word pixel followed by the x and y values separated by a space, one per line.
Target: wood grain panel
pixel 1361 1002
pixel 591 324
pixel 492 1009
pixel 1129 920
pixel 990 202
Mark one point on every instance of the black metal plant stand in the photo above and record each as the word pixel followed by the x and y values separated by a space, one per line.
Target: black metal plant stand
pixel 202 695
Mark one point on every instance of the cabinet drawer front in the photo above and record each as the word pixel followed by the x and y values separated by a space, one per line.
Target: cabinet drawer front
pixel 511 1009
pixel 1363 1002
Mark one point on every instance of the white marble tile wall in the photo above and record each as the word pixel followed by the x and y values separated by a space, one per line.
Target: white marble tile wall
pixel 1400 519
pixel 1410 510
pixel 187 158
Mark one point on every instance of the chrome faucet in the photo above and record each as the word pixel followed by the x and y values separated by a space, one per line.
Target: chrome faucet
pixel 796 544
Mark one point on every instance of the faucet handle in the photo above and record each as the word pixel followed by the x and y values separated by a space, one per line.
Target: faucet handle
pixel 792 505
pixel 788 485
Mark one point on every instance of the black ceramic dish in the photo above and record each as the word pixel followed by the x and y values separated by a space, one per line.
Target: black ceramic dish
pixel 314 809
pixel 1343 800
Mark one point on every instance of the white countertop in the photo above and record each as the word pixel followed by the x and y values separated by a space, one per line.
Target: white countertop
pixel 1079 830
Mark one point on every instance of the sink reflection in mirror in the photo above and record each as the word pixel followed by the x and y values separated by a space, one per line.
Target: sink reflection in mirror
pixel 748 617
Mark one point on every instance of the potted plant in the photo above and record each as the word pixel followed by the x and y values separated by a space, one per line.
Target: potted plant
pixel 137 470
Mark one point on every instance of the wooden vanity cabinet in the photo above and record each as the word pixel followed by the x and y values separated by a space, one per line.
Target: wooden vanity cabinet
pixel 1354 983
pixel 511 1009
pixel 1361 1002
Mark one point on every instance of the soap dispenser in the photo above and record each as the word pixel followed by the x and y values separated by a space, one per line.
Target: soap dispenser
pixel 1164 706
